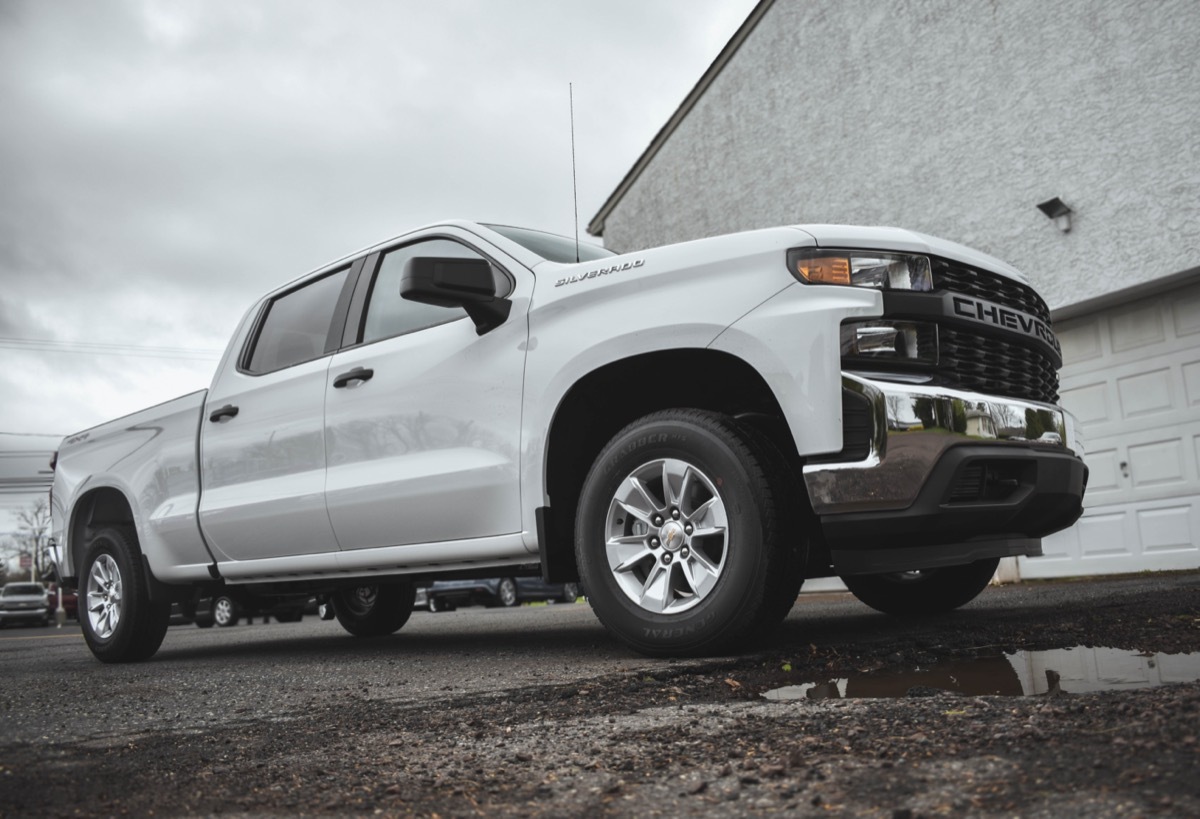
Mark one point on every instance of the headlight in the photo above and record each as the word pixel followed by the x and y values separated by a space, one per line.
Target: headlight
pixel 884 271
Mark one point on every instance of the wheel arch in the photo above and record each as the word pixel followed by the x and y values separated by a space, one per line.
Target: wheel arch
pixel 102 506
pixel 602 403
pixel 109 506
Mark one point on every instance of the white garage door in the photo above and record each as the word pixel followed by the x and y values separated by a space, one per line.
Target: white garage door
pixel 1132 378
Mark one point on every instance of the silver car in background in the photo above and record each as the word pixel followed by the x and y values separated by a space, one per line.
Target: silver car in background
pixel 25 603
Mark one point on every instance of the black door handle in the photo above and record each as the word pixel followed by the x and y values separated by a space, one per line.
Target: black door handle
pixel 227 411
pixel 357 374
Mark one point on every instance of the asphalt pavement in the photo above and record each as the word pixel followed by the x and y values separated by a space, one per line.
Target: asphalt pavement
pixel 536 710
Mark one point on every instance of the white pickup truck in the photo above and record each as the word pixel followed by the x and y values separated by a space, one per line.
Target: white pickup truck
pixel 688 431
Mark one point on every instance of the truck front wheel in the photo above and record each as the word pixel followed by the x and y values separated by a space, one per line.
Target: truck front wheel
pixel 930 591
pixel 120 622
pixel 677 537
pixel 375 610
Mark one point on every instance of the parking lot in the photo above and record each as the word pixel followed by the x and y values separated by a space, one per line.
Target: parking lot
pixel 535 710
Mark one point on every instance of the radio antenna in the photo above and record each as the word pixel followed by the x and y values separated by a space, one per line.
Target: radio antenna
pixel 574 182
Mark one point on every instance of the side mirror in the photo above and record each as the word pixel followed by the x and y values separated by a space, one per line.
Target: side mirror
pixel 466 283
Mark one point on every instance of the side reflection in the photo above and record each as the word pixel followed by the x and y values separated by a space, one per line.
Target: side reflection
pixel 1080 670
pixel 393 436
pixel 986 676
pixel 1077 670
pixel 974 419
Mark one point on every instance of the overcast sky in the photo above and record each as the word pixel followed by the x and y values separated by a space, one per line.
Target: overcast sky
pixel 165 163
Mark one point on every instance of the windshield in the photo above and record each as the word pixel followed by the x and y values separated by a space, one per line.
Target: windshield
pixel 22 589
pixel 550 246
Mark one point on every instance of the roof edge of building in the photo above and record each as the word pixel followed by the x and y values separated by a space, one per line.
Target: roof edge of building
pixel 596 225
pixel 1124 295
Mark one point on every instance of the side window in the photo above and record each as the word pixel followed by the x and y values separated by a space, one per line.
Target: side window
pixel 296 325
pixel 389 315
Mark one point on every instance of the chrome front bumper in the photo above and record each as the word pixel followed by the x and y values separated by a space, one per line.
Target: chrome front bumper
pixel 912 426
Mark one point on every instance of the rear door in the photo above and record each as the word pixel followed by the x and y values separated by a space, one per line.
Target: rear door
pixel 427 448
pixel 262 443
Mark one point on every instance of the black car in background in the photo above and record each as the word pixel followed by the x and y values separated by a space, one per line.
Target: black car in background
pixel 225 611
pixel 445 595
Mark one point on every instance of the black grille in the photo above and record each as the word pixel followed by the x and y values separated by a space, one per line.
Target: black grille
pixel 995 366
pixel 969 486
pixel 992 481
pixel 971 281
pixel 988 363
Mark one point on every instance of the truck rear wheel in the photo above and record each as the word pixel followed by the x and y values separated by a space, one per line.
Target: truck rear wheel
pixel 677 539
pixel 121 624
pixel 374 610
pixel 930 591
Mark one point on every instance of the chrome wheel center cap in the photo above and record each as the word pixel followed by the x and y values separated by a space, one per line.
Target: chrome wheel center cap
pixel 672 536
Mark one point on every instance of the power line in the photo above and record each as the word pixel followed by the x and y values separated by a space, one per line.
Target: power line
pixel 100 348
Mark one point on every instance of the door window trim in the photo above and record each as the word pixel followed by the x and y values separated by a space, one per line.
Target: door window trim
pixel 341 314
pixel 356 320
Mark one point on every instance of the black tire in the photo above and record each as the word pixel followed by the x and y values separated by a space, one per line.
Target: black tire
pixel 729 537
pixel 121 624
pixel 570 593
pixel 506 593
pixel 225 612
pixel 931 591
pixel 374 610
pixel 438 604
pixel 796 523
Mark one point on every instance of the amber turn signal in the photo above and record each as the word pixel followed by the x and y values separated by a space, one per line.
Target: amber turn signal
pixel 824 269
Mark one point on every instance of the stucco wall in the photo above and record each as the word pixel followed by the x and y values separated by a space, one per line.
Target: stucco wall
pixel 954 118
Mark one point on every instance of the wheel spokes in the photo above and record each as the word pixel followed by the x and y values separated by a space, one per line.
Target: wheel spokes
pixel 644 517
pixel 656 593
pixel 666 514
pixel 700 511
pixel 104 596
pixel 626 552
pixel 652 504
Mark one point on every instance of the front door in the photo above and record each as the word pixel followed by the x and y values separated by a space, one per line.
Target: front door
pixel 427 449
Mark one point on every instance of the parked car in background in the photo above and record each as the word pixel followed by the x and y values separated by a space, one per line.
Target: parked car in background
pixel 225 610
pixel 445 595
pixel 26 603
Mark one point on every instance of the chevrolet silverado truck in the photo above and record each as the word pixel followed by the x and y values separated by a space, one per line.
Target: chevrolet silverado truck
pixel 689 431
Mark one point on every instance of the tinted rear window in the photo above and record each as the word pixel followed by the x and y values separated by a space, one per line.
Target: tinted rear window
pixel 296 327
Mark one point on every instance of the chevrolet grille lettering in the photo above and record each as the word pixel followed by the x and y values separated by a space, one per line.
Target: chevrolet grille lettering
pixel 985 312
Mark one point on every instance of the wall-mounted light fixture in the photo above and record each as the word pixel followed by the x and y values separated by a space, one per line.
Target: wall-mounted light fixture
pixel 1059 211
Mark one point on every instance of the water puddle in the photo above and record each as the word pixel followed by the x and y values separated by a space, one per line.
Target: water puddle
pixel 1076 670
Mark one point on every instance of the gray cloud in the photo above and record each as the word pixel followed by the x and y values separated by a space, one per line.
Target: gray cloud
pixel 166 162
